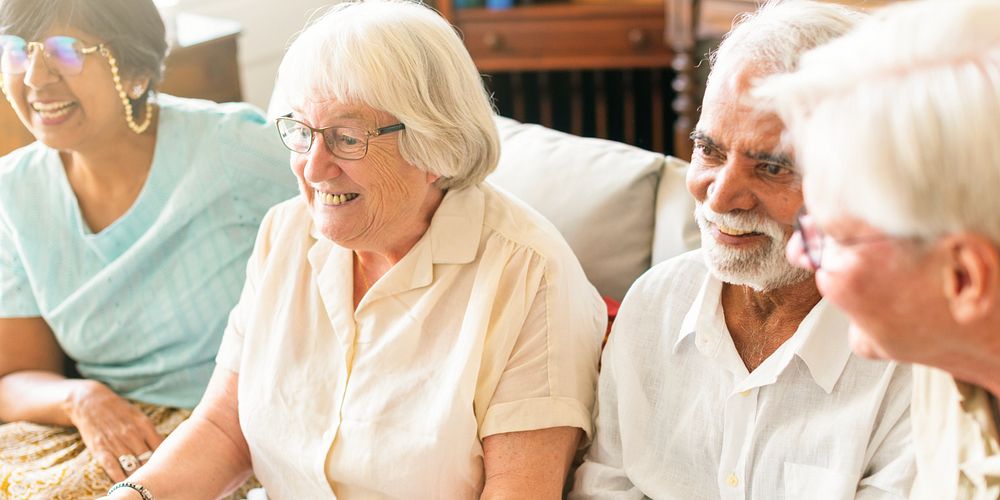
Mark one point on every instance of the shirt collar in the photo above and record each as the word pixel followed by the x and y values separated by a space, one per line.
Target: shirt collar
pixel 820 341
pixel 456 228
pixel 452 238
pixel 703 318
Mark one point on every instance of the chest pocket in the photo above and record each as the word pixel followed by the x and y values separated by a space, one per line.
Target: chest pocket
pixel 817 483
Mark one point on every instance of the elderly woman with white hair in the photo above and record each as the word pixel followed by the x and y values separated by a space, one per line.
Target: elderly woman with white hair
pixel 896 126
pixel 405 330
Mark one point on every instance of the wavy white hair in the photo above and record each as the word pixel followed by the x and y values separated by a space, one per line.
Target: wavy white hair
pixel 775 35
pixel 897 123
pixel 403 58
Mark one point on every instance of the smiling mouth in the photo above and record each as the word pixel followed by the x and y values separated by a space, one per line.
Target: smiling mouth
pixel 334 199
pixel 51 110
pixel 732 231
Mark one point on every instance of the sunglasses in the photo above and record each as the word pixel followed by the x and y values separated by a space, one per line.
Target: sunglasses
pixel 63 54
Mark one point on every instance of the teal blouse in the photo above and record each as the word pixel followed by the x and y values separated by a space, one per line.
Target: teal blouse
pixel 141 305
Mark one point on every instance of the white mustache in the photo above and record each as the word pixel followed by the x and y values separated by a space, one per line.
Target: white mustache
pixel 743 221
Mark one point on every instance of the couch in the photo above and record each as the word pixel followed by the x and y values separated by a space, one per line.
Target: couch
pixel 621 208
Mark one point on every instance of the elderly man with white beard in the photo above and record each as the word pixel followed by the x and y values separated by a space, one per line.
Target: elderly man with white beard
pixel 726 375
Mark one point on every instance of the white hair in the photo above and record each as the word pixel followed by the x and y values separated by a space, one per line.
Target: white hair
pixel 773 37
pixel 403 58
pixel 897 123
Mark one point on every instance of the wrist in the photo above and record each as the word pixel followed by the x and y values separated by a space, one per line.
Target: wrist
pixel 125 494
pixel 129 490
pixel 79 391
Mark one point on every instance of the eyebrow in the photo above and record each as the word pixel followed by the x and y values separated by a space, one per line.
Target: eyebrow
pixel 781 159
pixel 349 115
pixel 699 135
pixel 776 158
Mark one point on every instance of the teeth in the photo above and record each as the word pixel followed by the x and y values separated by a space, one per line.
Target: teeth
pixel 50 106
pixel 334 199
pixel 731 231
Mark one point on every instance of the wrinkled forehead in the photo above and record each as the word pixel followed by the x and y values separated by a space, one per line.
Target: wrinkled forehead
pixel 729 104
pixel 320 110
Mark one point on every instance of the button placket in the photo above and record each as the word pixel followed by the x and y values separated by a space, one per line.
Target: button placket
pixel 740 418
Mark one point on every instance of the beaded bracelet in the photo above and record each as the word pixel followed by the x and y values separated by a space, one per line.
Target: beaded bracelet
pixel 146 495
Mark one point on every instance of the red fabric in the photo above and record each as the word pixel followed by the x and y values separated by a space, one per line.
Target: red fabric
pixel 613 306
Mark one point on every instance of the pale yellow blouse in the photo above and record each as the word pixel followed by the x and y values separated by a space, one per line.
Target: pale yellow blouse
pixel 488 325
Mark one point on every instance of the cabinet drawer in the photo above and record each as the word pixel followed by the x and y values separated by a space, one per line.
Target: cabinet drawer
pixel 556 38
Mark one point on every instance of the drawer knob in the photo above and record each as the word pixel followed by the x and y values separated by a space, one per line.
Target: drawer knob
pixel 493 41
pixel 637 38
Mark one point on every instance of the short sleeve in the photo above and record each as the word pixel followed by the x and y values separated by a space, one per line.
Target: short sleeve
pixel 549 379
pixel 231 350
pixel 17 299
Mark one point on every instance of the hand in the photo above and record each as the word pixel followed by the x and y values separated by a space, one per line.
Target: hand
pixel 110 427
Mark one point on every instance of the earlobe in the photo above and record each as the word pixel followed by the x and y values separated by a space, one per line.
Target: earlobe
pixel 138 88
pixel 971 277
pixel 432 178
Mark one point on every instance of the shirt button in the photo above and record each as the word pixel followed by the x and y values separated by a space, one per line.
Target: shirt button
pixel 732 480
pixel 745 393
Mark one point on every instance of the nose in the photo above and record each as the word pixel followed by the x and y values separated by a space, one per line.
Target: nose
pixel 38 74
pixel 320 165
pixel 730 190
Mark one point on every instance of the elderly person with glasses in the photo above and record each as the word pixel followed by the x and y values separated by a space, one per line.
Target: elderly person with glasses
pixel 124 235
pixel 406 330
pixel 896 126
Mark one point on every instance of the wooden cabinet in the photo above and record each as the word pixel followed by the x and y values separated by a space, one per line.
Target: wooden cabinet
pixel 202 63
pixel 565 37
pixel 594 67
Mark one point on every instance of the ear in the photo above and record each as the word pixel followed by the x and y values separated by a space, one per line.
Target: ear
pixel 432 178
pixel 971 276
pixel 136 86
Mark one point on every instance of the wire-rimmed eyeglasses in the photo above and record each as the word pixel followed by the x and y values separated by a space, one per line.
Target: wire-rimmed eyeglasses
pixel 346 143
pixel 814 241
pixel 63 54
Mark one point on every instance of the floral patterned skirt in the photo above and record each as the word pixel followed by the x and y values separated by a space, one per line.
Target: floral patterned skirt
pixel 52 463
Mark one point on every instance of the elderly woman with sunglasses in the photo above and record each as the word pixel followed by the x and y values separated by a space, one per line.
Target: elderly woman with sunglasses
pixel 406 330
pixel 124 235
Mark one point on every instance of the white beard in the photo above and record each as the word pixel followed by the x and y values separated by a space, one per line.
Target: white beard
pixel 763 268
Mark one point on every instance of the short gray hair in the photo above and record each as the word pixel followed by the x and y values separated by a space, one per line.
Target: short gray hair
pixel 132 28
pixel 402 58
pixel 774 36
pixel 897 122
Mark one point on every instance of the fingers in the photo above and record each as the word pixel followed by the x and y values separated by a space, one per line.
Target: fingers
pixel 117 448
pixel 150 437
pixel 110 464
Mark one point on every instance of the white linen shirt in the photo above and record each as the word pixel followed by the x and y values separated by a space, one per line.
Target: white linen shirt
pixel 487 325
pixel 679 416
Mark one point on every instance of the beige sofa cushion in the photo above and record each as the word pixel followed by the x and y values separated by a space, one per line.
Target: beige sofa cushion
pixel 600 194
pixel 675 230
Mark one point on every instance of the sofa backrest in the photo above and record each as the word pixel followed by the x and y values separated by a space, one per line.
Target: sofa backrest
pixel 621 208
